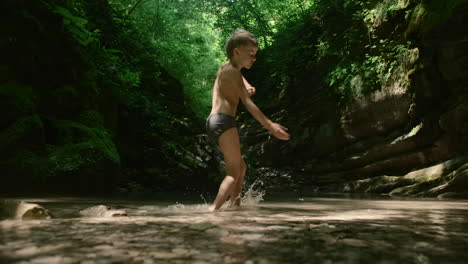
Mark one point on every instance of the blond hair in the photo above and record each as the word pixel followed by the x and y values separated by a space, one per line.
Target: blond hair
pixel 240 37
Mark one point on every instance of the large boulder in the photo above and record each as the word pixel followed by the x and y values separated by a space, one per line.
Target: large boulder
pixel 22 210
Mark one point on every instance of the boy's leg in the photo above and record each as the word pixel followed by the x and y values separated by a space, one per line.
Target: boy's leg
pixel 229 145
pixel 236 195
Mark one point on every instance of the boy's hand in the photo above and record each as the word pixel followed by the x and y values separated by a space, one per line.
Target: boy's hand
pixel 251 90
pixel 279 131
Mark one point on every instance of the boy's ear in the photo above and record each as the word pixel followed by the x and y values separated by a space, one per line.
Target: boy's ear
pixel 236 51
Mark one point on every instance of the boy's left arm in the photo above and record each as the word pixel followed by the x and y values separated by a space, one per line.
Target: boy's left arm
pixel 250 89
pixel 276 129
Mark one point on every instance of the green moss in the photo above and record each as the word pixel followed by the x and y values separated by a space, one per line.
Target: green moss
pixel 430 13
pixel 379 12
pixel 82 156
pixel 88 134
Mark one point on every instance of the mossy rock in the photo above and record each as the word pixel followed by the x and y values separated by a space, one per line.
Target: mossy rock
pixel 430 13
pixel 381 184
pixel 16 100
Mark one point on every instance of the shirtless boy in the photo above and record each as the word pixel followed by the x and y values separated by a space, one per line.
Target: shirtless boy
pixel 230 87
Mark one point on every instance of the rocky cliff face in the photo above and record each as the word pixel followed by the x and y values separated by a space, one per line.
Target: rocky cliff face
pixel 409 137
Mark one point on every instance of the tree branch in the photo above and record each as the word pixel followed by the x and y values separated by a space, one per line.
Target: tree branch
pixel 130 11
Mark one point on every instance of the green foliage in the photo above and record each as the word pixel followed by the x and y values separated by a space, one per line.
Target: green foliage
pixel 360 77
pixel 88 132
pixel 347 47
pixel 373 15
pixel 180 34
pixel 188 37
pixel 262 17
pixel 76 26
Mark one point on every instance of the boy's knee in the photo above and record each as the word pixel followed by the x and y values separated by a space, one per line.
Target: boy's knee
pixel 230 180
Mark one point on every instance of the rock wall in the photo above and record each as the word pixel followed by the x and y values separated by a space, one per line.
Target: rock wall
pixel 389 141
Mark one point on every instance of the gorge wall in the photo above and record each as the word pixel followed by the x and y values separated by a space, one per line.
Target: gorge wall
pixel 407 137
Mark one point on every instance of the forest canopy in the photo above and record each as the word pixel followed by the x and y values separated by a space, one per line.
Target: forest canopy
pixel 188 37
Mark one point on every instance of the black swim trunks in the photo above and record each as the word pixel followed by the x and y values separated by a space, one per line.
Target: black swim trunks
pixel 217 124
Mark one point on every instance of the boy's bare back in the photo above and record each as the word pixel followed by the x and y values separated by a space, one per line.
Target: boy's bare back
pixel 226 90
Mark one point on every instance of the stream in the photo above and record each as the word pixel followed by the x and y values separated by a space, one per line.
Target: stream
pixel 288 230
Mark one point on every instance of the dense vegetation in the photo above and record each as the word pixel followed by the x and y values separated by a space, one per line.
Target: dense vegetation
pixel 105 95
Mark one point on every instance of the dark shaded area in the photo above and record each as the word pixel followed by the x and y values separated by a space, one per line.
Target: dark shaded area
pixel 86 107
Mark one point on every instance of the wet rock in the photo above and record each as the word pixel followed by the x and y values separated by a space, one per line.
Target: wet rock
pixel 164 255
pixel 426 182
pixel 252 236
pixel 453 195
pixel 200 226
pixel 353 242
pixel 452 176
pixel 381 244
pixel 328 239
pixel 200 262
pixel 217 232
pixel 325 228
pixel 102 211
pixel 22 210
pixel 278 227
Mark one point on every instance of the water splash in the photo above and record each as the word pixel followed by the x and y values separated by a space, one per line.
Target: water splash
pixel 179 207
pixel 251 197
pixel 203 198
pixel 254 194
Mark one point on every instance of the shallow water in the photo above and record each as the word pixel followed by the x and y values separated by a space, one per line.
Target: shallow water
pixel 296 230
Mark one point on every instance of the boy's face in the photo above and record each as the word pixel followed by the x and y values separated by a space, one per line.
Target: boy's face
pixel 246 55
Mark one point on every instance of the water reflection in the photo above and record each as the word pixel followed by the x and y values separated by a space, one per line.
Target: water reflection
pixel 306 230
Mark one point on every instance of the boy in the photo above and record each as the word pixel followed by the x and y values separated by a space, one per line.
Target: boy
pixel 230 87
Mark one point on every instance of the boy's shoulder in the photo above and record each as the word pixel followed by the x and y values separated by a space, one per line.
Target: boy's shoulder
pixel 227 71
